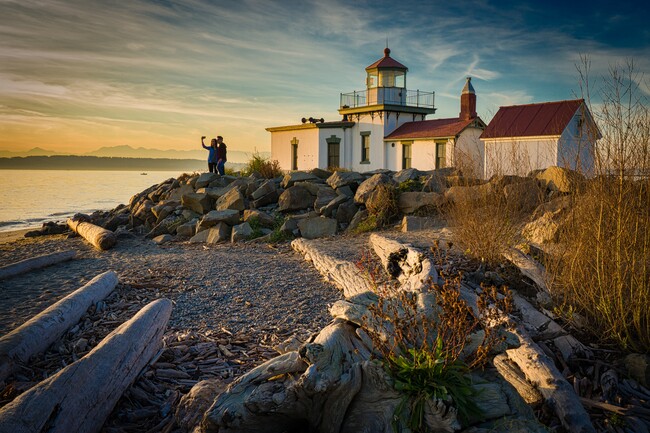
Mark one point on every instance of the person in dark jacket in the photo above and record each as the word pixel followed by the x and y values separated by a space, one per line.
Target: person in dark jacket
pixel 212 154
pixel 221 155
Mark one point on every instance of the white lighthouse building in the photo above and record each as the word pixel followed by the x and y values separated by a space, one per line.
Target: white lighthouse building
pixel 383 127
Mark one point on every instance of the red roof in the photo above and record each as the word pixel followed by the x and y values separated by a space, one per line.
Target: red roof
pixel 437 128
pixel 387 62
pixel 532 120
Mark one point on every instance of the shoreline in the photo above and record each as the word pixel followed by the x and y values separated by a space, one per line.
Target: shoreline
pixel 14 235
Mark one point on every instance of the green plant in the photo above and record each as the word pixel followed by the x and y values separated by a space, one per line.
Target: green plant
pixel 410 185
pixel 265 167
pixel 278 235
pixel 426 352
pixel 256 227
pixel 367 225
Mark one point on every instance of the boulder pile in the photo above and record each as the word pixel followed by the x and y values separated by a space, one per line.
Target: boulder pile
pixel 210 208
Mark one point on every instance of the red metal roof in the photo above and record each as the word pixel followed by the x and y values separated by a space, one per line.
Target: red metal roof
pixel 532 120
pixel 437 128
pixel 387 62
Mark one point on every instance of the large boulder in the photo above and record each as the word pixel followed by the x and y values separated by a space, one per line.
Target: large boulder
pixel 179 192
pixel 320 173
pixel 367 187
pixel 317 227
pixel 333 205
pixel 361 215
pixel 434 183
pixel 343 178
pixel 212 218
pixel 266 200
pixel 542 230
pixel 241 232
pixel 199 203
pixel 187 230
pixel 407 174
pixel 264 189
pixel 411 223
pixel 324 196
pixel 219 233
pixel 297 176
pixel 295 198
pixel 561 179
pixel 346 211
pixel 262 218
pixel 409 202
pixel 205 179
pixel 233 199
pixel 525 195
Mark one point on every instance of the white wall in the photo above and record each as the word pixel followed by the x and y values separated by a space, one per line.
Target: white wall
pixel 520 155
pixel 576 149
pixel 423 154
pixel 469 152
pixel 324 134
pixel 375 126
pixel 308 152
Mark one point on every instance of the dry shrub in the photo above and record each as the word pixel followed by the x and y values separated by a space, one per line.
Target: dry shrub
pixel 266 168
pixel 604 271
pixel 484 223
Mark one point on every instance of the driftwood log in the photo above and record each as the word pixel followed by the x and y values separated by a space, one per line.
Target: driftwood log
pixel 35 335
pixel 81 396
pixel 35 263
pixel 332 384
pixel 529 267
pixel 99 237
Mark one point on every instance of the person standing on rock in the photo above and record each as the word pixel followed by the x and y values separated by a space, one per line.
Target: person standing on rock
pixel 221 155
pixel 212 154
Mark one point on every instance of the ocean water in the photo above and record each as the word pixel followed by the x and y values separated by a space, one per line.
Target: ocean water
pixel 30 197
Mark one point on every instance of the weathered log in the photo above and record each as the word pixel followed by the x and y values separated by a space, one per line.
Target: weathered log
pixel 80 397
pixel 528 266
pixel 403 262
pixel 40 331
pixel 513 375
pixel 35 263
pixel 343 274
pixel 540 370
pixel 99 237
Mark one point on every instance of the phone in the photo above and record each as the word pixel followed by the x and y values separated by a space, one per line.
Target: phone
pixel 202 137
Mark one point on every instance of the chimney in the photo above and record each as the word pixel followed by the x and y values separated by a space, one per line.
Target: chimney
pixel 468 101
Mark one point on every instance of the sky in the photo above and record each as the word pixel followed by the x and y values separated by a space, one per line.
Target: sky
pixel 78 75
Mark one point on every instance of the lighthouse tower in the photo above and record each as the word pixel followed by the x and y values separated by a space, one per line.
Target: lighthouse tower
pixel 384 105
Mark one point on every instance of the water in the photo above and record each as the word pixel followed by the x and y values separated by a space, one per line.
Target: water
pixel 30 197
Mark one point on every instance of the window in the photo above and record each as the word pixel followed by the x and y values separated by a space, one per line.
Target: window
pixel 365 148
pixel 406 155
pixel 333 152
pixel 294 154
pixel 441 154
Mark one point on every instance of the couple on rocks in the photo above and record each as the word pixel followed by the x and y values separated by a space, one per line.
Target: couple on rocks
pixel 216 155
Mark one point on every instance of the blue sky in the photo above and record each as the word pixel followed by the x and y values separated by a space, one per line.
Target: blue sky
pixel 78 75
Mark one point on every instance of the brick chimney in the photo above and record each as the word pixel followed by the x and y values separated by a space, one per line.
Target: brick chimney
pixel 468 101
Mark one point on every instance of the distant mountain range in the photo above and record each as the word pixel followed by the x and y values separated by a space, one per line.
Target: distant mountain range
pixel 126 151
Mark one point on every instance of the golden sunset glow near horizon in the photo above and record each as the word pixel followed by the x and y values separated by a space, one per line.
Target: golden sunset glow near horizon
pixel 79 75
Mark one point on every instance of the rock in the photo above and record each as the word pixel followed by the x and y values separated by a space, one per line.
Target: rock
pixel 266 200
pixel 289 225
pixel 163 239
pixel 263 219
pixel 412 223
pixel 468 194
pixel 333 205
pixel 178 193
pixel 312 186
pixel 187 229
pixel 190 214
pixel 367 187
pixel 361 215
pixel 346 211
pixel 143 212
pixel 166 226
pixel 320 173
pixel 162 211
pixel 524 195
pixel 81 345
pixel 241 232
pixel 212 218
pixel 199 203
pixel 434 183
pixel 295 198
pixel 345 190
pixel 343 178
pixel 200 237
pixel 296 176
pixel 193 406
pixel 121 219
pixel 264 189
pixel 407 174
pixel 219 233
pixel 318 227
pixel 561 179
pixel 205 179
pixel 543 230
pixel 324 197
pixel 409 202
pixel 638 367
pixel 233 199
